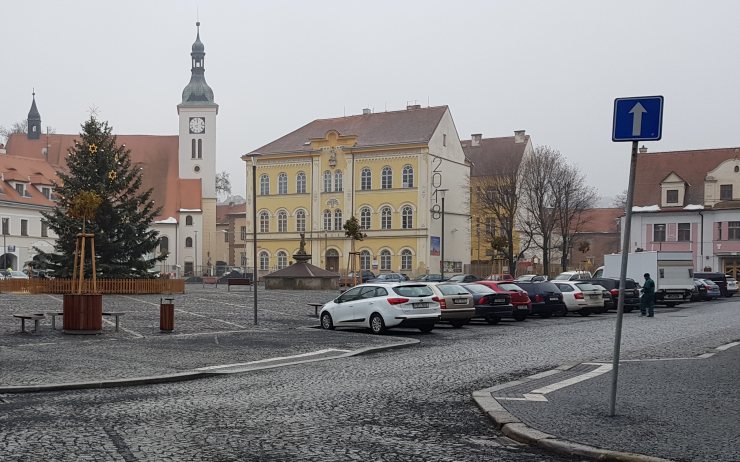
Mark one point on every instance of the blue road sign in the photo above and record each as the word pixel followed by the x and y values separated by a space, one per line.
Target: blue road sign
pixel 638 119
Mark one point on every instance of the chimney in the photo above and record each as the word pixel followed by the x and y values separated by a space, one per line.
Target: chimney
pixel 413 106
pixel 2 149
pixel 643 149
pixel 366 111
pixel 519 136
pixel 475 139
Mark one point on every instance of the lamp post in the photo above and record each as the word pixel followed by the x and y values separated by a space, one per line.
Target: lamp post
pixel 195 271
pixel 254 156
pixel 442 236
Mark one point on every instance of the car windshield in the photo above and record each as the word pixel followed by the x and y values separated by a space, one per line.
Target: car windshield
pixel 452 289
pixel 17 274
pixel 563 277
pixel 413 290
pixel 479 289
pixel 512 287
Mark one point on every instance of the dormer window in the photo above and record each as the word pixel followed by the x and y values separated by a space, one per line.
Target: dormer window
pixel 725 192
pixel 46 192
pixel 671 196
pixel 673 190
pixel 20 189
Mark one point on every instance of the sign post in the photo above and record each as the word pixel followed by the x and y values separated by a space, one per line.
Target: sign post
pixel 635 119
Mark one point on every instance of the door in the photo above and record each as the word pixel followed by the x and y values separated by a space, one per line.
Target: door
pixel 732 266
pixel 345 306
pixel 332 260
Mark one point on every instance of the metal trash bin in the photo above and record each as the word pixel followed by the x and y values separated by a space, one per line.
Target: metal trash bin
pixel 166 314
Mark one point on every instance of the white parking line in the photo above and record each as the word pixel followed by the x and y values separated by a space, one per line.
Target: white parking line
pixel 298 358
pixel 539 394
pixel 240 305
pixel 191 313
pixel 728 346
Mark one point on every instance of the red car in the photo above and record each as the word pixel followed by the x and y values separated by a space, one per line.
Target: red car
pixel 519 298
pixel 500 277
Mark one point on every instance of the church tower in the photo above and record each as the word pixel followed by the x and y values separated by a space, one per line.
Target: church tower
pixel 197 152
pixel 34 121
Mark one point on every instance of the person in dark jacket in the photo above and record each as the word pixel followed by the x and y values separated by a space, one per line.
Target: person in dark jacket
pixel 647 301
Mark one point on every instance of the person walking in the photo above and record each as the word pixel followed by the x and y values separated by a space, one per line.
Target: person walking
pixel 647 301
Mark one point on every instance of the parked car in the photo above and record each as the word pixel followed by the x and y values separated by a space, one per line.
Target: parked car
pixel 455 303
pixel 581 297
pixel 362 277
pixel 712 290
pixel 464 278
pixel 429 278
pixel 608 302
pixel 15 275
pixel 547 299
pixel 383 306
pixel 732 286
pixel 388 277
pixel 489 304
pixel 573 275
pixel 519 298
pixel 631 292
pixel 500 277
pixel 718 278
pixel 531 278
pixel 699 292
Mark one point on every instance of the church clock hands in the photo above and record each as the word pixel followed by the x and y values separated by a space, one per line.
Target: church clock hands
pixel 197 125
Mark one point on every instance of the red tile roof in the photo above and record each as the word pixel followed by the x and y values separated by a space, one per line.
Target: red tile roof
pixel 157 155
pixel 601 220
pixel 692 166
pixel 222 210
pixel 377 129
pixel 493 153
pixel 30 171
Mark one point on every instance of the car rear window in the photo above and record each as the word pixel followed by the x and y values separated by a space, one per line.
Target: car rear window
pixel 586 286
pixel 420 290
pixel 452 289
pixel 546 287
pixel 478 289
pixel 513 287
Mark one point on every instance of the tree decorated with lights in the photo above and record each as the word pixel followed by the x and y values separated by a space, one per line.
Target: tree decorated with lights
pixel 124 242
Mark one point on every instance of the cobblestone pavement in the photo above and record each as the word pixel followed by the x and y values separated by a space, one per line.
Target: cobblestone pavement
pixel 409 404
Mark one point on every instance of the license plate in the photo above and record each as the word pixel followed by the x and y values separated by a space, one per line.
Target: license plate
pixel 596 296
pixel 499 301
pixel 672 296
pixel 522 307
pixel 460 301
pixel 553 299
pixel 420 305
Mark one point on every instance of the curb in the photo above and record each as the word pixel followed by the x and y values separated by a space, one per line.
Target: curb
pixel 181 376
pixel 515 429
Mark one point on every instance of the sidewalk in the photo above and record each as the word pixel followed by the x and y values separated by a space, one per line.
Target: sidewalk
pixel 685 409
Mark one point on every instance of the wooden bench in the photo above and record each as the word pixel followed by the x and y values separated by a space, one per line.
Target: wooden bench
pixel 36 317
pixel 316 307
pixel 237 282
pixel 116 314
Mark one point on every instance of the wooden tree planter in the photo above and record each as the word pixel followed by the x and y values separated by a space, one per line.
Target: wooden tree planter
pixel 83 313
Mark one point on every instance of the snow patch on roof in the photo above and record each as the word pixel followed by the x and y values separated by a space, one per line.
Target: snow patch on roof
pixel 647 208
pixel 191 210
pixel 166 221
pixel 694 207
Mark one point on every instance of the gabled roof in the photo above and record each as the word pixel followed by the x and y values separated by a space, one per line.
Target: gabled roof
pixel 29 171
pixel 691 166
pixel 492 154
pixel 223 210
pixel 156 154
pixel 407 126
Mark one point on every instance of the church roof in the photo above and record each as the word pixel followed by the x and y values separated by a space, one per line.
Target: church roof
pixel 33 114
pixel 156 154
pixel 197 90
pixel 409 126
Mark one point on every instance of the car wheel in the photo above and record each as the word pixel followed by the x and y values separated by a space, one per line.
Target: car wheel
pixel 601 310
pixel 520 317
pixel 563 312
pixel 377 325
pixel 493 320
pixel 326 321
pixel 458 323
pixel 584 312
pixel 427 327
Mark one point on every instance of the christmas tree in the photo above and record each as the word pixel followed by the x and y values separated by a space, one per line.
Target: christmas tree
pixel 124 242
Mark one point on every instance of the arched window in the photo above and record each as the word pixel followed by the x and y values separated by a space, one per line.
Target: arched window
pixel 408 176
pixel 300 221
pixel 386 178
pixel 338 179
pixel 164 245
pixel 406 260
pixel 366 179
pixel 282 259
pixel 385 260
pixel 264 260
pixel 283 183
pixel 407 217
pixel 282 222
pixel 365 218
pixel 264 222
pixel 332 253
pixel 200 148
pixel 327 220
pixel 385 218
pixel 338 220
pixel 300 183
pixel 365 260
pixel 188 220
pixel 264 185
pixel 327 181
pixel 188 242
pixel 192 149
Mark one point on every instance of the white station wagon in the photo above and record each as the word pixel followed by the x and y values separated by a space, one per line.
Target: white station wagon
pixel 379 306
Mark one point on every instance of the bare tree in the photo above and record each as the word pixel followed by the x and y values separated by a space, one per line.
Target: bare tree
pixel 497 196
pixel 18 127
pixel 572 198
pixel 223 183
pixel 537 214
pixel 620 201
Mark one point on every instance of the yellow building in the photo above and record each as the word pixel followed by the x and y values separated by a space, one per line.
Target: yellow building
pixel 390 169
pixel 492 159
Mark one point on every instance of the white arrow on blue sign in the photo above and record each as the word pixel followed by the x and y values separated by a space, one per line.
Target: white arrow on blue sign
pixel 638 119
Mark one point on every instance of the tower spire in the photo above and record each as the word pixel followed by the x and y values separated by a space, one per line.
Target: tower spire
pixel 34 119
pixel 197 91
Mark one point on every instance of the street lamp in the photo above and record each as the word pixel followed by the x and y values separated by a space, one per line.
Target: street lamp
pixel 254 156
pixel 442 236
pixel 195 271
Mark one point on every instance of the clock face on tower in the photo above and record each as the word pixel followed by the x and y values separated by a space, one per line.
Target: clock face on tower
pixel 197 125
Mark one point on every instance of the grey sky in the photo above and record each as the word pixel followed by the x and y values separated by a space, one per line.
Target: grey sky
pixel 550 67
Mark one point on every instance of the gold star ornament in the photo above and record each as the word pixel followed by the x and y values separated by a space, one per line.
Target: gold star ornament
pixel 93 148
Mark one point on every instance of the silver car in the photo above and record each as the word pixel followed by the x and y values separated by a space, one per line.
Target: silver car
pixel 455 303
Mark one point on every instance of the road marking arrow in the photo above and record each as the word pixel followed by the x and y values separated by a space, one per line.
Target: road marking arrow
pixel 637 111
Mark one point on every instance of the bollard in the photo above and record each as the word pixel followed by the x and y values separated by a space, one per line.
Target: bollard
pixel 166 314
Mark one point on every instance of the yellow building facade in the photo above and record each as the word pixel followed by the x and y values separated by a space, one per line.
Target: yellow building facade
pixel 314 179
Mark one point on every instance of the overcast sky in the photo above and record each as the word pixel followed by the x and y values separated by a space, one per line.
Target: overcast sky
pixel 552 68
